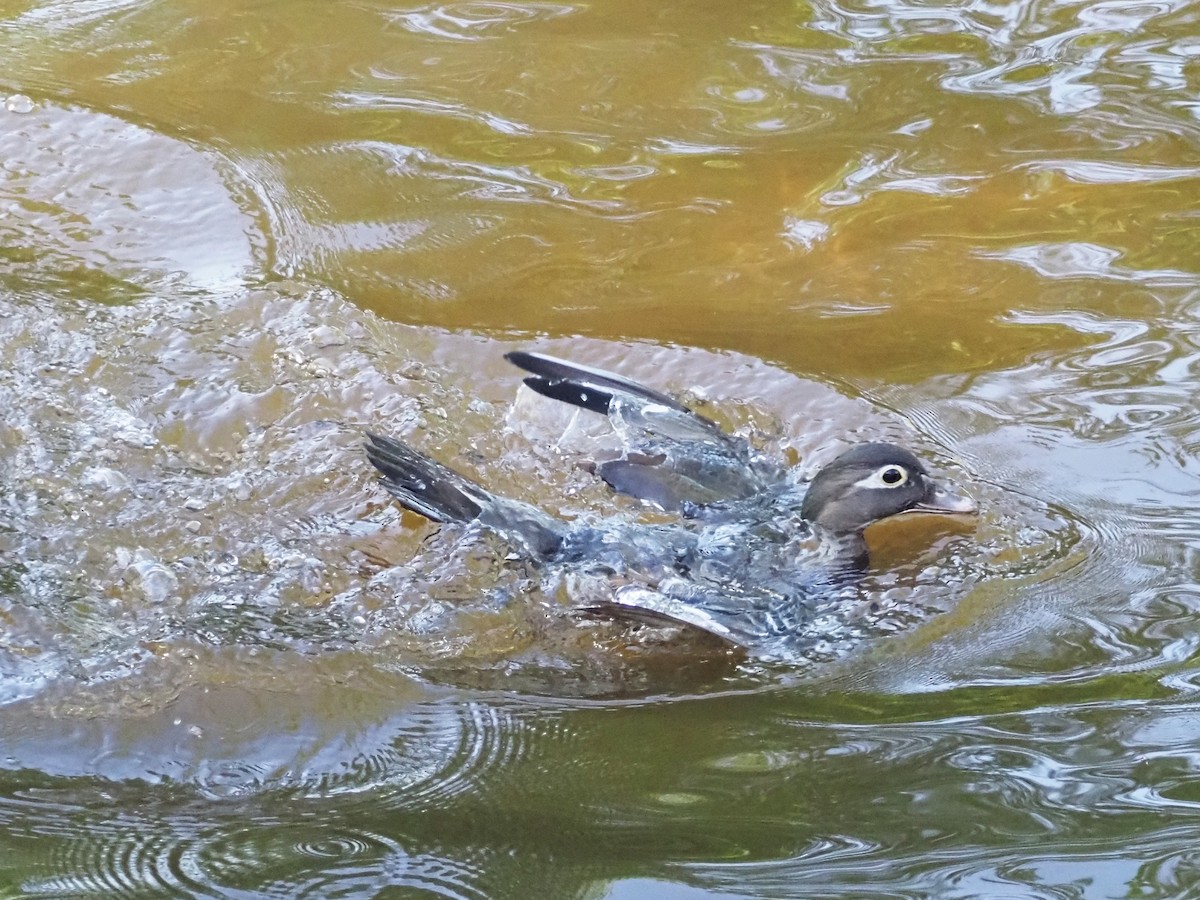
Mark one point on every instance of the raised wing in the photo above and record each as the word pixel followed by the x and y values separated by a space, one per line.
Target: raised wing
pixel 673 455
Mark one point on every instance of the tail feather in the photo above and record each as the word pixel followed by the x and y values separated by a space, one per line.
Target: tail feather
pixel 424 485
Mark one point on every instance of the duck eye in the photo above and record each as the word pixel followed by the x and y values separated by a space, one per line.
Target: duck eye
pixel 892 476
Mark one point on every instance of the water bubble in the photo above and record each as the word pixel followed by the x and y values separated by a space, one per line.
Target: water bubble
pixel 242 490
pixel 19 103
pixel 154 579
pixel 805 233
pixel 104 478
pixel 841 198
pixel 226 564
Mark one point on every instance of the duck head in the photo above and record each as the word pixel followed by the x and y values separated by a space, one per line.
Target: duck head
pixel 871 482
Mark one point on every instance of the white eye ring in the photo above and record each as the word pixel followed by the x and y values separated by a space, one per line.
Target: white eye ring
pixel 889 476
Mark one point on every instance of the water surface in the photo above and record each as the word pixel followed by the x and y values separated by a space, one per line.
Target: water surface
pixel 234 237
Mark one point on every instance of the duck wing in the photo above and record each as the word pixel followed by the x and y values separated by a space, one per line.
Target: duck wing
pixel 781 622
pixel 673 455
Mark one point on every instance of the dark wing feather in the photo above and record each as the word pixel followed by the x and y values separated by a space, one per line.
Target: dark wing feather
pixel 588 397
pixel 554 374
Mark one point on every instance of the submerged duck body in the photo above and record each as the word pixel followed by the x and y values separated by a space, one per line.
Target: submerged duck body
pixel 753 551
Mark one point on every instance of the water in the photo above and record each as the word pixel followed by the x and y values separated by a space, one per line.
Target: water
pixel 234 238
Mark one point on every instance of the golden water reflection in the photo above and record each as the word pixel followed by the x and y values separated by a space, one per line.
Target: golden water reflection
pixel 868 192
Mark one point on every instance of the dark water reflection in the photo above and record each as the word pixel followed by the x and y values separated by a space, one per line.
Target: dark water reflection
pixel 234 237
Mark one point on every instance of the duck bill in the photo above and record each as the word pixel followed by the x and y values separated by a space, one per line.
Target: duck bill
pixel 945 503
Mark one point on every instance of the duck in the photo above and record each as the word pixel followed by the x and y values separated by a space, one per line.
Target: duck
pixel 752 553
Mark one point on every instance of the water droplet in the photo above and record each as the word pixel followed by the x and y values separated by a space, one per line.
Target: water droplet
pixel 19 103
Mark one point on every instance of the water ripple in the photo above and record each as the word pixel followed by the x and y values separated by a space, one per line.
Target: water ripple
pixel 117 857
pixel 1080 259
pixel 336 860
pixel 433 755
pixel 430 106
pixel 77 186
pixel 1088 171
pixel 474 20
pixel 302 831
pixel 227 855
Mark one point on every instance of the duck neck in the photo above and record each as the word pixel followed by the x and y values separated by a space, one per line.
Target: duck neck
pixel 845 552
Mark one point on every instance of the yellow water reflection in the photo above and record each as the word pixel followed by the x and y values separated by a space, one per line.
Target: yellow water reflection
pixel 853 191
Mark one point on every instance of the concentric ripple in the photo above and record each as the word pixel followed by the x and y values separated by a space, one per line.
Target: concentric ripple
pixel 123 856
pixel 301 834
pixel 227 855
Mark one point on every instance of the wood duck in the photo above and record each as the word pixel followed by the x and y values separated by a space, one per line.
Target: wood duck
pixel 753 548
